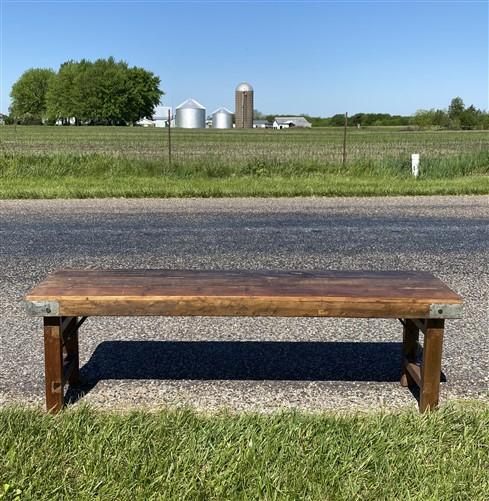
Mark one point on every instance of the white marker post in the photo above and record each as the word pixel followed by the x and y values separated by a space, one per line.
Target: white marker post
pixel 415 164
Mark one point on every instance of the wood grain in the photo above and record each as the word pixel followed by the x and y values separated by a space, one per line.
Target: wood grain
pixel 53 363
pixel 431 365
pixel 381 294
pixel 410 349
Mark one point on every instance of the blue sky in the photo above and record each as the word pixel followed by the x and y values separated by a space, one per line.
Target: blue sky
pixel 318 58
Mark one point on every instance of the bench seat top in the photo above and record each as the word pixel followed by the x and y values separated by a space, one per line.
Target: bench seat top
pixel 369 294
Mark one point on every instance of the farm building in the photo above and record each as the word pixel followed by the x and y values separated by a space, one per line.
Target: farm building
pixel 244 106
pixel 159 118
pixel 262 124
pixel 286 122
pixel 222 118
pixel 190 115
pixel 145 122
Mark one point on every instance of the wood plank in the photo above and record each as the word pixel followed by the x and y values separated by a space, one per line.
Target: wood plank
pixel 70 338
pixel 414 372
pixel 284 307
pixel 296 293
pixel 53 364
pixel 410 349
pixel 431 365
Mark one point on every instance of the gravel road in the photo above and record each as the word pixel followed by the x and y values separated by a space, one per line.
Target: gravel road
pixel 245 363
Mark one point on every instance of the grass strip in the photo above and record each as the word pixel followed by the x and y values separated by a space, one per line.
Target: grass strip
pixel 248 186
pixel 181 454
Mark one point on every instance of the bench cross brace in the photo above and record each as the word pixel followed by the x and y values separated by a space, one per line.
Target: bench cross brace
pixel 425 374
pixel 61 358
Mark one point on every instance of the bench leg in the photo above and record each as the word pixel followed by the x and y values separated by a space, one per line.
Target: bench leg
pixel 72 354
pixel 53 363
pixel 431 365
pixel 410 348
pixel 61 358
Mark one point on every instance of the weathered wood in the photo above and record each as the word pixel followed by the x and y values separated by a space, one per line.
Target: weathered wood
pixel 414 372
pixel 431 365
pixel 238 293
pixel 410 349
pixel 413 296
pixel 66 322
pixel 70 365
pixel 53 363
pixel 70 337
pixel 420 324
pixel 68 327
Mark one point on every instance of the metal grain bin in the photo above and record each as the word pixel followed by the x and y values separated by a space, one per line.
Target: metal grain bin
pixel 222 119
pixel 190 115
pixel 244 106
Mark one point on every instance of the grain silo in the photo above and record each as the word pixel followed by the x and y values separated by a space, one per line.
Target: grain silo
pixel 190 115
pixel 222 119
pixel 244 106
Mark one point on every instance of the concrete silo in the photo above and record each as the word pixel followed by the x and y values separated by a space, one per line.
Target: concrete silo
pixel 190 115
pixel 244 106
pixel 222 119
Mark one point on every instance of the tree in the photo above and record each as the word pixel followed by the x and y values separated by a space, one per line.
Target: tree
pixel 470 118
pixel 423 118
pixel 29 95
pixel 103 92
pixel 440 118
pixel 62 98
pixel 338 120
pixel 456 108
pixel 142 94
pixel 429 118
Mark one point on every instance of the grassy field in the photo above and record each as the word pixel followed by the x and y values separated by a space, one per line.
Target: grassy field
pixel 131 162
pixel 87 454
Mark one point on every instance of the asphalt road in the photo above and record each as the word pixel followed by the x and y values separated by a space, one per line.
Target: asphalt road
pixel 245 363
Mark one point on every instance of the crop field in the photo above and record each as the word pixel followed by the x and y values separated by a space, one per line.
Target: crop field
pixel 238 162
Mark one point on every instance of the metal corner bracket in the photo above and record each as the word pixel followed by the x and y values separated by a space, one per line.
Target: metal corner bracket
pixel 446 310
pixel 42 308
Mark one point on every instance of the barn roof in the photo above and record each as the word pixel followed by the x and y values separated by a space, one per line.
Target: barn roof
pixel 298 121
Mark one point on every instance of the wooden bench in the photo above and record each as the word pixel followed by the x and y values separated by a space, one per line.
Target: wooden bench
pixel 419 300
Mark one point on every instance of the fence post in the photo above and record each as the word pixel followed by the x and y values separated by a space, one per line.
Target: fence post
pixel 344 139
pixel 415 164
pixel 169 138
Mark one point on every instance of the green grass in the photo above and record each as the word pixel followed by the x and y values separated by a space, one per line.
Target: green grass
pixel 54 162
pixel 180 454
pixel 89 187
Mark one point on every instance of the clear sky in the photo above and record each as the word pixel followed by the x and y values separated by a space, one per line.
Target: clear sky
pixel 318 58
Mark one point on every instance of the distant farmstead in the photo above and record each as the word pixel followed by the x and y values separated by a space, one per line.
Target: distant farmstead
pixel 262 124
pixel 146 122
pixel 287 122
pixel 159 119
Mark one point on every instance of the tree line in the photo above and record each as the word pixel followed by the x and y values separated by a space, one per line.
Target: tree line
pixel 456 116
pixel 103 92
